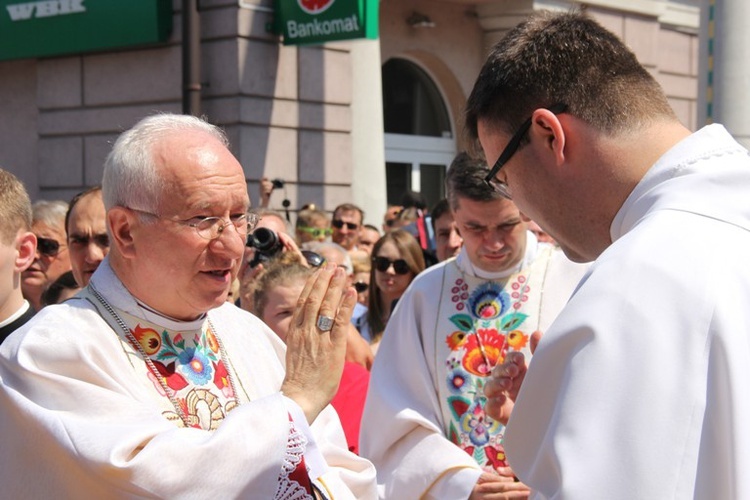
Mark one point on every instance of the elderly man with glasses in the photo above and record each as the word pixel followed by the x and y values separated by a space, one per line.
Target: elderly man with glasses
pixel 149 383
pixel 456 321
pixel 641 387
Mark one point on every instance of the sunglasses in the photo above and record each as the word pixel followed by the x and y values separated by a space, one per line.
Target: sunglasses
pixel 361 286
pixel 313 258
pixel 315 231
pixel 400 266
pixel 47 246
pixel 338 224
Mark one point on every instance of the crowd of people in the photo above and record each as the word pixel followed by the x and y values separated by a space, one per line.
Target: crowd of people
pixel 162 337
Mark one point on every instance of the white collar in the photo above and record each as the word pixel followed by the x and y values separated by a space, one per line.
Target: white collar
pixel 20 312
pixel 468 267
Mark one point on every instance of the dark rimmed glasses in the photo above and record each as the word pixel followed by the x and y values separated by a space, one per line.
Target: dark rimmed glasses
pixel 400 266
pixel 499 186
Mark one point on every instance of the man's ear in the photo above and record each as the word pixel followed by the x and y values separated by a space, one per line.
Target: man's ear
pixel 25 251
pixel 120 222
pixel 546 126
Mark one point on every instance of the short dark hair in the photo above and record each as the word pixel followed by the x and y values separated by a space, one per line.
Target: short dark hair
pixel 565 58
pixel 440 208
pixel 75 201
pixel 465 179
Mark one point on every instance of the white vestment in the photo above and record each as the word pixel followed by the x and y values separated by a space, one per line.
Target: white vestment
pixel 424 425
pixel 641 387
pixel 83 416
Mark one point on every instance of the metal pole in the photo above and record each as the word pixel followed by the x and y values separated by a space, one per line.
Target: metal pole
pixel 191 58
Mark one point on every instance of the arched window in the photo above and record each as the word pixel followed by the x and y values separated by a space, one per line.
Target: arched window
pixel 419 143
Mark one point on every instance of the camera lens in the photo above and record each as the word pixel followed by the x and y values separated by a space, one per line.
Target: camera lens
pixel 267 245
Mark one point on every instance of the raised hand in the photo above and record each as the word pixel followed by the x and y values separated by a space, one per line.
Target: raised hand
pixel 502 387
pixel 315 354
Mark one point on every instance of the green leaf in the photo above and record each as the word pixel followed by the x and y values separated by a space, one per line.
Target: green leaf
pixel 512 321
pixel 463 322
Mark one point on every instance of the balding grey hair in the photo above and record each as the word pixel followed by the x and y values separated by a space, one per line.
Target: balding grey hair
pixel 130 171
pixel 51 213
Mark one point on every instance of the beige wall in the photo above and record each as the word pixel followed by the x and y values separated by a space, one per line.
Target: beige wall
pixel 289 111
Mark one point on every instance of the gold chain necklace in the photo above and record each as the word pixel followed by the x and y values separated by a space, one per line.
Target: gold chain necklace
pixel 170 393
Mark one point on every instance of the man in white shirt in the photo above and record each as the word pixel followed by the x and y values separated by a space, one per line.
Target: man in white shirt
pixel 149 383
pixel 425 426
pixel 641 387
pixel 17 250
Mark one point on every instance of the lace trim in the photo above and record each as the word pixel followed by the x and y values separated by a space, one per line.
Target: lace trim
pixel 290 489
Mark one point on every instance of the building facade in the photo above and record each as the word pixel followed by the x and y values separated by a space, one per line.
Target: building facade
pixel 352 121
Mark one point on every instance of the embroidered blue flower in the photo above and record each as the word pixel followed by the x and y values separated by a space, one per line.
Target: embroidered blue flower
pixel 195 365
pixel 458 381
pixel 488 301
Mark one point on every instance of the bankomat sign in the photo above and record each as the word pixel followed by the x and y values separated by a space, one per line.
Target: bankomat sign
pixel 320 21
pixel 59 27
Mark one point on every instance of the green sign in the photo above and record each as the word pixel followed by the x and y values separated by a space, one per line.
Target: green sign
pixel 57 27
pixel 319 21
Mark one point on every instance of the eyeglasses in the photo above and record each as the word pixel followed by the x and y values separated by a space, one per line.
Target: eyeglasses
pixel 361 286
pixel 382 264
pixel 339 224
pixel 499 186
pixel 210 228
pixel 316 232
pixel 47 246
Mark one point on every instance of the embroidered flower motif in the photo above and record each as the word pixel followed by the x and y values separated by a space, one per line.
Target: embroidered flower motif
pixel 488 301
pixel 456 340
pixel 483 351
pixel 148 338
pixel 517 340
pixel 221 379
pixel 175 381
pixel 213 343
pixel 195 365
pixel 478 425
pixel 457 381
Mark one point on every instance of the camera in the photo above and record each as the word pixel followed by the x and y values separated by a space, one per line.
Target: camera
pixel 277 183
pixel 266 243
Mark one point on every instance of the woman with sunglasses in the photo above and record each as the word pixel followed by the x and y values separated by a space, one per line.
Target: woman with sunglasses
pixel 397 259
